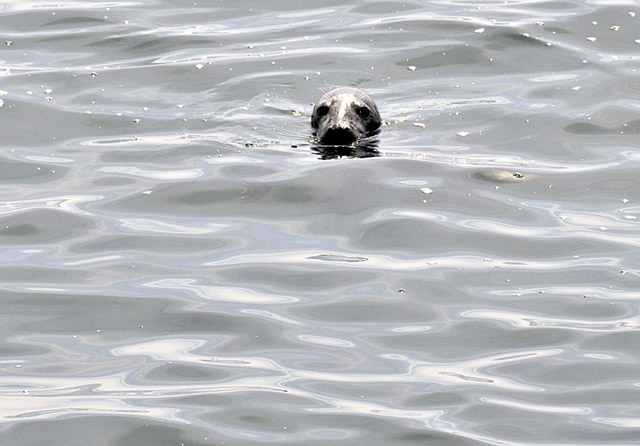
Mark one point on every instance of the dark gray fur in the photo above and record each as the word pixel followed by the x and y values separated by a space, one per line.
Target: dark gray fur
pixel 344 116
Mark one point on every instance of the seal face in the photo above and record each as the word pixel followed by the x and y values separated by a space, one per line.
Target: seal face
pixel 344 116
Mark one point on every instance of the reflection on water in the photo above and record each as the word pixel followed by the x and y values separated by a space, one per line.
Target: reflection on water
pixel 364 149
pixel 180 267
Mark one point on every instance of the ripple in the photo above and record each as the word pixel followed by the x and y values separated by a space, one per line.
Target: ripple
pixel 180 267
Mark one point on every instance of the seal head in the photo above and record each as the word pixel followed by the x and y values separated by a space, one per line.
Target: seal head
pixel 345 116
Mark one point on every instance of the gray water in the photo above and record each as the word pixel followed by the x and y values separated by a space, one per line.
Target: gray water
pixel 180 266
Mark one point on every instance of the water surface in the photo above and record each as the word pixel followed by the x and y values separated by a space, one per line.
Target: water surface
pixel 180 266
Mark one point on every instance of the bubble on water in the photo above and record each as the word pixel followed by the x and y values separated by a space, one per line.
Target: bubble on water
pixel 576 88
pixel 479 31
pixel 419 124
pixel 199 66
pixel 412 68
pixel 463 133
pixel 591 39
pixel 426 191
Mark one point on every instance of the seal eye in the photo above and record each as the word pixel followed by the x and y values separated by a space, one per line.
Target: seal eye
pixel 322 110
pixel 363 112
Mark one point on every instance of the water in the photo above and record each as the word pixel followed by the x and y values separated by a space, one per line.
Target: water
pixel 180 266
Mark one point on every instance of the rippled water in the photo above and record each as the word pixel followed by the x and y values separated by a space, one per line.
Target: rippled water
pixel 179 265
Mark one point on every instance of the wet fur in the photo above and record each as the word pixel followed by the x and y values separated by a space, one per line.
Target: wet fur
pixel 345 116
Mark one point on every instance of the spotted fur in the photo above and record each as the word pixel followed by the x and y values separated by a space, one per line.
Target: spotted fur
pixel 344 116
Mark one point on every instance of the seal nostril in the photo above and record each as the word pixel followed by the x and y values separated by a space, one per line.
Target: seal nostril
pixel 338 136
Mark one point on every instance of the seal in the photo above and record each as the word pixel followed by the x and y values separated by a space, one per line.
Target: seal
pixel 345 116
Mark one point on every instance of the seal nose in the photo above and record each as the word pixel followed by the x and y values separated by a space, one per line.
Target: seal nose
pixel 338 135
